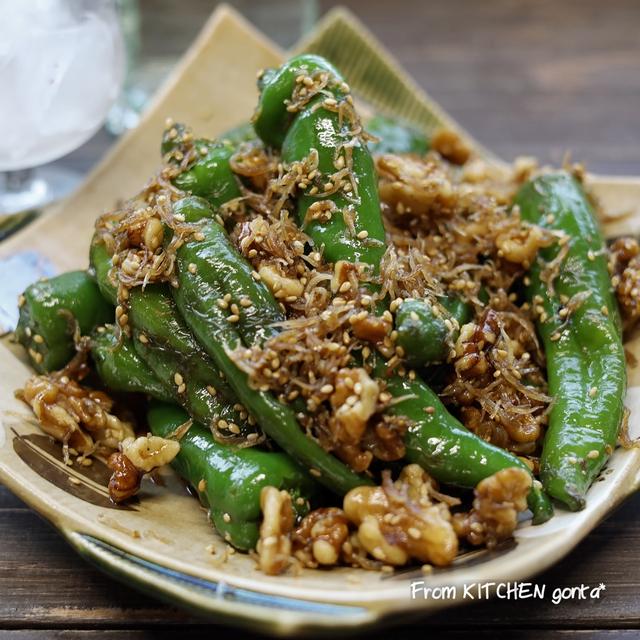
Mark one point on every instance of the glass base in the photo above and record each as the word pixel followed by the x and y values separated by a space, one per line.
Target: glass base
pixel 29 189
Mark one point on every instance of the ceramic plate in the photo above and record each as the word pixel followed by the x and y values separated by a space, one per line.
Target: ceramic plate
pixel 163 542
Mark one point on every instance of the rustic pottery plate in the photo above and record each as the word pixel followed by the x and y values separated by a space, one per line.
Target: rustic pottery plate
pixel 163 543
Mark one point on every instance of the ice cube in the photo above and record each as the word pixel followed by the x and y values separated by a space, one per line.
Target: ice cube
pixel 61 66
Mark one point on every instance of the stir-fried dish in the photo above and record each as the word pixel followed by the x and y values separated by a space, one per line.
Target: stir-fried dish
pixel 357 345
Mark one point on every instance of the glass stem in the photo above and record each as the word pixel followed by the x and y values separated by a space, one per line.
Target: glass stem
pixel 16 181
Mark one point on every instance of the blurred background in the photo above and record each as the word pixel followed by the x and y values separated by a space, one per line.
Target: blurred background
pixel 535 77
pixel 525 77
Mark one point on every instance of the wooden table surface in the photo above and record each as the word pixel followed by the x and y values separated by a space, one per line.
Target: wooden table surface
pixel 537 77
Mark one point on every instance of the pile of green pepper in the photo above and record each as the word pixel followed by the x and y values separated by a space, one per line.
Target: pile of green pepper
pixel 178 348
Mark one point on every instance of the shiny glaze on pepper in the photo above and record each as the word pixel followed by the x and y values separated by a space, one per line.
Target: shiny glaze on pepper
pixel 49 312
pixel 585 358
pixel 197 296
pixel 229 480
pixel 319 128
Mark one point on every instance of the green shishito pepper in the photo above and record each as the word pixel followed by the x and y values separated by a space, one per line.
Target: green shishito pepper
pixel 423 332
pixel 229 480
pixel 585 357
pixel 319 127
pixel 444 448
pixel 256 322
pixel 217 269
pixel 396 137
pixel 441 445
pixel 50 310
pixel 458 456
pixel 119 366
pixel 170 351
pixel 210 176
pixel 208 269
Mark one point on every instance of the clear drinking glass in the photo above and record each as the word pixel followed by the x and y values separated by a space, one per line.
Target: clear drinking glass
pixel 61 69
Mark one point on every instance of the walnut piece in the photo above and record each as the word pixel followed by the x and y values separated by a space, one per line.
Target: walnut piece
pixel 624 265
pixel 73 414
pixel 412 185
pixel 125 479
pixel 354 401
pixel 274 546
pixel 451 146
pixel 498 500
pixel 520 245
pixel 320 537
pixel 136 457
pixel 281 286
pixel 343 271
pixel 399 521
pixel 149 452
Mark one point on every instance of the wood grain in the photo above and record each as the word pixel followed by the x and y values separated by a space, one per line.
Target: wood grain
pixel 525 76
pixel 538 77
pixel 43 583
pixel 208 631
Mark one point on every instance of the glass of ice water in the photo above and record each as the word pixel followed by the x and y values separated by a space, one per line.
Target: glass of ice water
pixel 61 69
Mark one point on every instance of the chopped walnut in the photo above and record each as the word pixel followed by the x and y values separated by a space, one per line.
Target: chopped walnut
pixel 356 434
pixel 520 245
pixel 343 272
pixel 355 555
pixel 75 415
pixel 125 479
pixel 451 146
pixel 150 452
pixel 399 521
pixel 274 546
pixel 136 457
pixel 499 386
pixel 320 537
pixel 354 401
pixel 280 285
pixel 414 186
pixel 371 328
pixel 624 265
pixel 498 500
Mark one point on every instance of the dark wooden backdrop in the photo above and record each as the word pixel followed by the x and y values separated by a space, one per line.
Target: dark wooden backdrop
pixel 536 77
